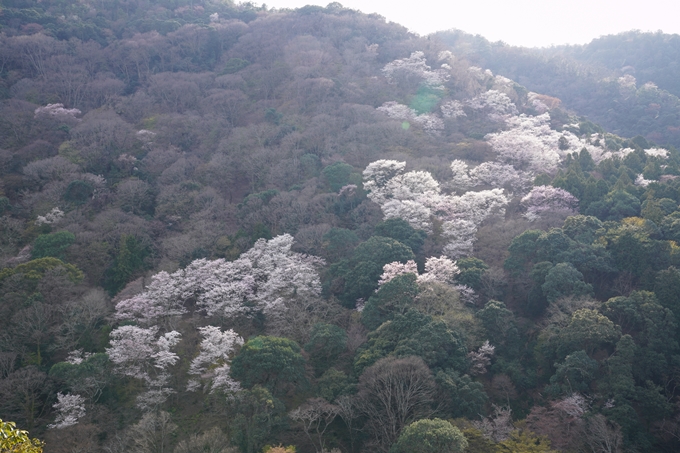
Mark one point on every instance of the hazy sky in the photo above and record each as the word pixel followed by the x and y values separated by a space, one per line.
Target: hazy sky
pixel 520 22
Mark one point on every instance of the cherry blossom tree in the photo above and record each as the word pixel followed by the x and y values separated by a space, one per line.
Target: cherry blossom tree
pixel 415 66
pixel 391 270
pixel 414 212
pixel 440 269
pixel 141 353
pixel 58 112
pixel 212 365
pixel 416 197
pixel 453 109
pixel 263 279
pixel 481 358
pixel 498 104
pixel 376 176
pixel 543 199
pixel 69 408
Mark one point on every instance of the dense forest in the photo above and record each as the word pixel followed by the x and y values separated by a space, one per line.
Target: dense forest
pixel 233 229
pixel 627 82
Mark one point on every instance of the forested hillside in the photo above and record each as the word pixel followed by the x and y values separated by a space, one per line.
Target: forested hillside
pixel 627 82
pixel 231 229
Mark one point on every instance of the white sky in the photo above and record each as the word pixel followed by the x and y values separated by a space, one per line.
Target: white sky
pixel 532 23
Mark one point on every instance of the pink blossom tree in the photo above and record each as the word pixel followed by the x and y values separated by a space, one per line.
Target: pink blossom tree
pixel 211 366
pixel 141 353
pixel 544 199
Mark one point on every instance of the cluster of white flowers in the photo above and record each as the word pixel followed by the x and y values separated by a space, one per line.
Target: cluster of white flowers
pixel 642 182
pixel 145 135
pixel 77 357
pixel 429 122
pixel 416 65
pixel 453 109
pixel 58 112
pixel 543 199
pixel 441 270
pixel 490 174
pixel 69 409
pixel 657 152
pixel 50 218
pixel 416 197
pixel 627 81
pixel 499 104
pixel 261 279
pixel 144 354
pixel 213 362
pixel 481 358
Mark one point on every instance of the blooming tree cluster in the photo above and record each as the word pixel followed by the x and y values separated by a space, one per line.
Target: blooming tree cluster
pixel 263 279
pixel 543 199
pixel 441 270
pixel 415 66
pixel 481 358
pixel 490 174
pixel 51 217
pixel 69 409
pixel 428 121
pixel 144 354
pixel 416 197
pixel 212 364
pixel 453 109
pixel 498 104
pixel 58 112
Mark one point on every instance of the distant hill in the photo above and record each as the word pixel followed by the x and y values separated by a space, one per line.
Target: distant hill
pixel 588 78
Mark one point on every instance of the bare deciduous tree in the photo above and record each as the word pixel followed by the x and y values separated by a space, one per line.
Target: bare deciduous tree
pixel 315 415
pixel 392 394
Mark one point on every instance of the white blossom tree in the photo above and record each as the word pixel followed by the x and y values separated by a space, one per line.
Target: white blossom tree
pixel 544 199
pixel 440 269
pixel 263 279
pixel 481 358
pixel 391 270
pixel 141 353
pixel 212 364
pixel 69 409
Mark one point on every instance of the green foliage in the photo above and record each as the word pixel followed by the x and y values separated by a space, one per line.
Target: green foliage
pixel 129 259
pixel 588 330
pixel 357 277
pixel 393 298
pixel 258 415
pixel 500 326
pixel 414 334
pixel 333 383
pixel 338 243
pixel 326 342
pixel 13 440
pixel 461 395
pixel 78 192
pixel 400 230
pixel 86 378
pixel 574 374
pixel 582 228
pixel 34 270
pixel 524 441
pixel 53 244
pixel 615 206
pixel 271 362
pixel 522 252
pixel 667 289
pixel 564 280
pixel 337 175
pixel 471 272
pixel 430 436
